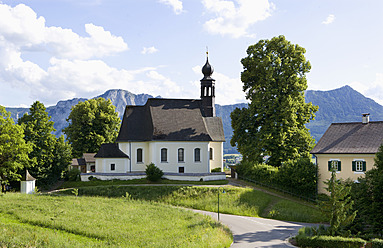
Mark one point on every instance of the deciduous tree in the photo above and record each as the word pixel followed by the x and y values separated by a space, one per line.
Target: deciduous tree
pixel 92 123
pixel 13 148
pixel 274 123
pixel 49 155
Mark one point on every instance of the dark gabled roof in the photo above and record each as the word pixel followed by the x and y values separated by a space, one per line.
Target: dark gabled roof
pixel 215 128
pixel 78 161
pixel 351 138
pixel 110 150
pixel 169 120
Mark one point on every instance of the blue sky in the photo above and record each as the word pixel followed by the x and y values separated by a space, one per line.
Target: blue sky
pixel 62 49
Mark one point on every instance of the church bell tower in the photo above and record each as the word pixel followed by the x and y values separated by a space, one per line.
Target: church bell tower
pixel 208 90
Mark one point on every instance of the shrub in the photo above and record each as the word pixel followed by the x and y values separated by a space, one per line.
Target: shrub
pixel 74 175
pixel 329 242
pixel 377 243
pixel 216 170
pixel 314 231
pixel 295 176
pixel 153 173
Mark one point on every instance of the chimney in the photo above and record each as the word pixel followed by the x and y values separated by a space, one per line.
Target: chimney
pixel 366 118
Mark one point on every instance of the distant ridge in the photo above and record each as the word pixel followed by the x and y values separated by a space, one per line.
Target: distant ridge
pixel 339 105
pixel 60 112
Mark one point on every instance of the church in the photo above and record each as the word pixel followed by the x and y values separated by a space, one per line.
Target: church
pixel 182 137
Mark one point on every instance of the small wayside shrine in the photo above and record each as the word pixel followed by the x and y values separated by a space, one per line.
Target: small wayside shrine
pixel 27 184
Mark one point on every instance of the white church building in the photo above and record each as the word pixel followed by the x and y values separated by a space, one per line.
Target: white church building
pixel 182 137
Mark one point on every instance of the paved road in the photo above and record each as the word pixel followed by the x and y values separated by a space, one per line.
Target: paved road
pixel 258 232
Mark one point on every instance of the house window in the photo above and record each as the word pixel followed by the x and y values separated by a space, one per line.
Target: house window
pixel 112 166
pixel 211 153
pixel 164 155
pixel 358 165
pixel 181 155
pixel 197 155
pixel 93 168
pixel 139 155
pixel 181 169
pixel 334 165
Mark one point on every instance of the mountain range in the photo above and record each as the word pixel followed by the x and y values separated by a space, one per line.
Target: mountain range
pixel 339 105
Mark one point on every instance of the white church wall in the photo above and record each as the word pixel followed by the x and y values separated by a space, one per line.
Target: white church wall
pixel 130 149
pixel 152 154
pixel 172 164
pixel 105 165
pixel 217 161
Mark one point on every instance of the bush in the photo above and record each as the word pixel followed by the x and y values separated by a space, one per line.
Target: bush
pixel 377 243
pixel 298 176
pixel 92 178
pixel 153 173
pixel 329 242
pixel 314 231
pixel 216 170
pixel 74 175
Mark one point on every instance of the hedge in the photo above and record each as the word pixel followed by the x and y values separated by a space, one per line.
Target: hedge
pixel 298 177
pixel 377 243
pixel 329 242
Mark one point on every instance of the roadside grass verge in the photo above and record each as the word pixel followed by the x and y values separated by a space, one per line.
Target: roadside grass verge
pixel 238 201
pixel 36 221
pixel 289 210
pixel 71 184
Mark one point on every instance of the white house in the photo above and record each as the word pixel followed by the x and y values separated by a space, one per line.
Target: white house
pixel 182 137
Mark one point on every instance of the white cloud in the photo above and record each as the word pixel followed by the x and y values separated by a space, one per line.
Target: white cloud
pixel 227 90
pixel 20 27
pixel 330 19
pixel 234 18
pixel 73 69
pixel 65 79
pixel 163 84
pixel 373 90
pixel 175 4
pixel 149 50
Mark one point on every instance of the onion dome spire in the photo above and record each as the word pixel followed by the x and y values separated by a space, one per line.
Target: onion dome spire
pixel 207 69
pixel 208 90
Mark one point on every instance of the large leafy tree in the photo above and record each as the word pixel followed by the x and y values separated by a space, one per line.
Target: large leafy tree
pixel 92 123
pixel 13 148
pixel 62 157
pixel 274 122
pixel 48 164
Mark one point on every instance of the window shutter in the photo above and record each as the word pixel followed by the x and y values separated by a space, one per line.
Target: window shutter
pixel 353 166
pixel 364 165
pixel 329 165
pixel 339 166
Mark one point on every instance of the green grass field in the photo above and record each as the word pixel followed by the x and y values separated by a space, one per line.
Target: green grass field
pixel 79 184
pixel 69 221
pixel 238 201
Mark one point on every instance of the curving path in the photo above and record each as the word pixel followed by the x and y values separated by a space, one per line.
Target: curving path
pixel 258 232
